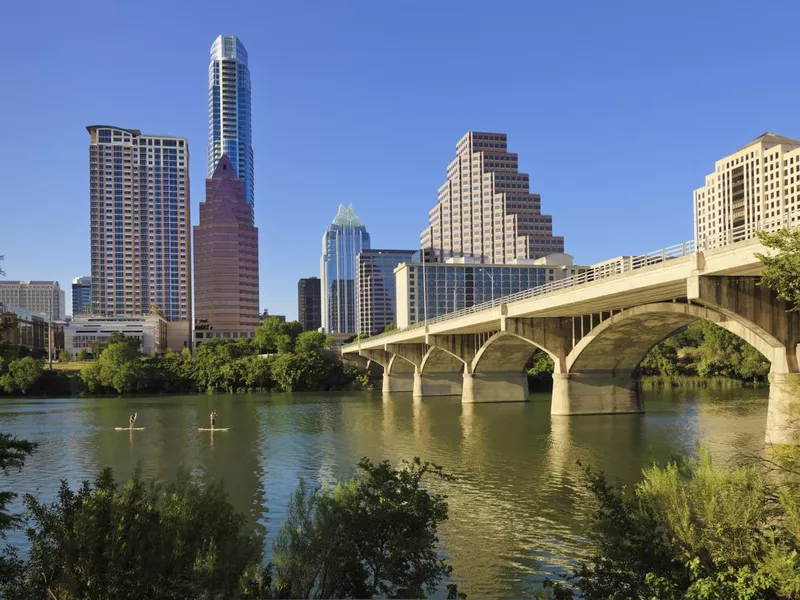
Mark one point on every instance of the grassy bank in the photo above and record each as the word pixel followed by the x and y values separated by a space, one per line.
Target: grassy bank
pixel 660 382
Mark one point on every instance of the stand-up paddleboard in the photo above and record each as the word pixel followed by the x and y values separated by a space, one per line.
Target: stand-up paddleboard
pixel 128 428
pixel 213 429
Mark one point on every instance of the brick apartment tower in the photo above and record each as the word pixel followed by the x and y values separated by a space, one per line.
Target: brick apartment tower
pixel 225 260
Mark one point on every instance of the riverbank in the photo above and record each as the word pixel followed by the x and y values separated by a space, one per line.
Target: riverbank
pixel 662 382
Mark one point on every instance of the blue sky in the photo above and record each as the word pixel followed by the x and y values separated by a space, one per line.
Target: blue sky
pixel 617 110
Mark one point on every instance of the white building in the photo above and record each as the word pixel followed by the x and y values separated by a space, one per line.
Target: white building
pixel 42 297
pixel 150 330
pixel 757 187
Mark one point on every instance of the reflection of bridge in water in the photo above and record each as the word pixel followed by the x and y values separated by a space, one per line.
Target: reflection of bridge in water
pixel 597 327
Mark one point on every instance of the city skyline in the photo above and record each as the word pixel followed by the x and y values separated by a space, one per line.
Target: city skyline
pixel 631 133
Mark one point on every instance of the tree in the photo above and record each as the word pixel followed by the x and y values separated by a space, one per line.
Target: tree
pixel 145 540
pixel 781 269
pixel 311 341
pixel 275 335
pixel 23 374
pixel 64 356
pixel 13 453
pixel 82 355
pixel 389 327
pixel 374 535
pixel 119 368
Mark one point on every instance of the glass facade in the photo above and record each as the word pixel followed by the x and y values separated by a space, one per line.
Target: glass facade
pixel 229 111
pixel 446 288
pixel 342 242
pixel 81 295
pixel 376 289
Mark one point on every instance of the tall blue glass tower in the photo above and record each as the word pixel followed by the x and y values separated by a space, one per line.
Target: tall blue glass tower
pixel 230 129
pixel 343 240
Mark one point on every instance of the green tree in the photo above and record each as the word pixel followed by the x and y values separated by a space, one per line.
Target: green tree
pixel 119 367
pixel 13 453
pixel 375 535
pixel 23 375
pixel 275 335
pixel 145 540
pixel 311 341
pixel 64 356
pixel 390 327
pixel 781 268
pixel 82 355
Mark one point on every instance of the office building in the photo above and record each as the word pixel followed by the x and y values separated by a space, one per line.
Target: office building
pixel 375 288
pixel 485 209
pixel 41 297
pixel 225 260
pixel 140 248
pixel 230 129
pixel 81 295
pixel 463 282
pixel 756 187
pixel 31 330
pixel 341 244
pixel 309 303
pixel 151 331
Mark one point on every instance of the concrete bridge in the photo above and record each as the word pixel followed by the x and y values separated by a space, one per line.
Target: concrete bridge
pixel 597 328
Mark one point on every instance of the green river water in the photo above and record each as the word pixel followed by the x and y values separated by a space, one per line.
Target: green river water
pixel 517 509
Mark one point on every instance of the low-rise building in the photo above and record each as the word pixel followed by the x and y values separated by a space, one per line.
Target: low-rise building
pixel 30 330
pixel 427 290
pixel 150 330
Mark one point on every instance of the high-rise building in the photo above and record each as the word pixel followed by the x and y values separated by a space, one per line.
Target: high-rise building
pixel 225 260
pixel 41 297
pixel 375 289
pixel 756 187
pixel 485 208
pixel 140 247
pixel 341 244
pixel 81 295
pixel 309 303
pixel 230 129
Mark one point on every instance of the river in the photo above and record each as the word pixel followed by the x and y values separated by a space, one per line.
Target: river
pixel 517 509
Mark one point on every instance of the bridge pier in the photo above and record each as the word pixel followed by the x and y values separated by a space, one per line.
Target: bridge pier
pixel 595 393
pixel 398 382
pixel 437 384
pixel 783 412
pixel 495 387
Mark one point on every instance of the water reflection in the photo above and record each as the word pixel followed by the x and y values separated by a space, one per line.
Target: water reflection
pixel 517 509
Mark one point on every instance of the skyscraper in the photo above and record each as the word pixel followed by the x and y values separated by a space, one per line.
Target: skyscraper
pixel 81 295
pixel 225 260
pixel 230 129
pixel 139 213
pixel 341 244
pixel 376 290
pixel 754 188
pixel 309 303
pixel 485 208
pixel 40 297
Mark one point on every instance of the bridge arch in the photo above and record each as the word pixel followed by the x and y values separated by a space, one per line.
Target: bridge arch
pixel 398 365
pixel 618 344
pixel 508 352
pixel 438 360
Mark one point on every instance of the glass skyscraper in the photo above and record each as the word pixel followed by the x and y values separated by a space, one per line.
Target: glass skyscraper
pixel 230 128
pixel 342 242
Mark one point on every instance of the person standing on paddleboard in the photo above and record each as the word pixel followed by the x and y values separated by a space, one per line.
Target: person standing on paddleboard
pixel 132 420
pixel 213 418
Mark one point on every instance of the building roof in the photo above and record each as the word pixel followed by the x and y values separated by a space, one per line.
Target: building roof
pixel 772 139
pixel 224 169
pixel 347 216
pixel 5 282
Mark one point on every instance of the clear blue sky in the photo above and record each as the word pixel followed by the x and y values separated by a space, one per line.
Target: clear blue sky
pixel 617 110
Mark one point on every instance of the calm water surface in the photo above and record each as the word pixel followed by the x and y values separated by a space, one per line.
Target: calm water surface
pixel 517 510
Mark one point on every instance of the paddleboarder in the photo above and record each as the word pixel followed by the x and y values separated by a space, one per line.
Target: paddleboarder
pixel 213 418
pixel 132 420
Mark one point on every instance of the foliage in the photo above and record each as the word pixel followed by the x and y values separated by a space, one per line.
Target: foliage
pixel 781 269
pixel 311 341
pixel 693 530
pixel 22 375
pixel 82 355
pixel 116 337
pixel 374 535
pixel 13 453
pixel 145 540
pixel 540 370
pixel 390 327
pixel 64 356
pixel 275 335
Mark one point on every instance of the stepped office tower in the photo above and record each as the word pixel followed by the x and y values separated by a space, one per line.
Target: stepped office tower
pixel 485 209
pixel 230 129
pixel 139 212
pixel 756 187
pixel 342 242
pixel 309 303
pixel 225 260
